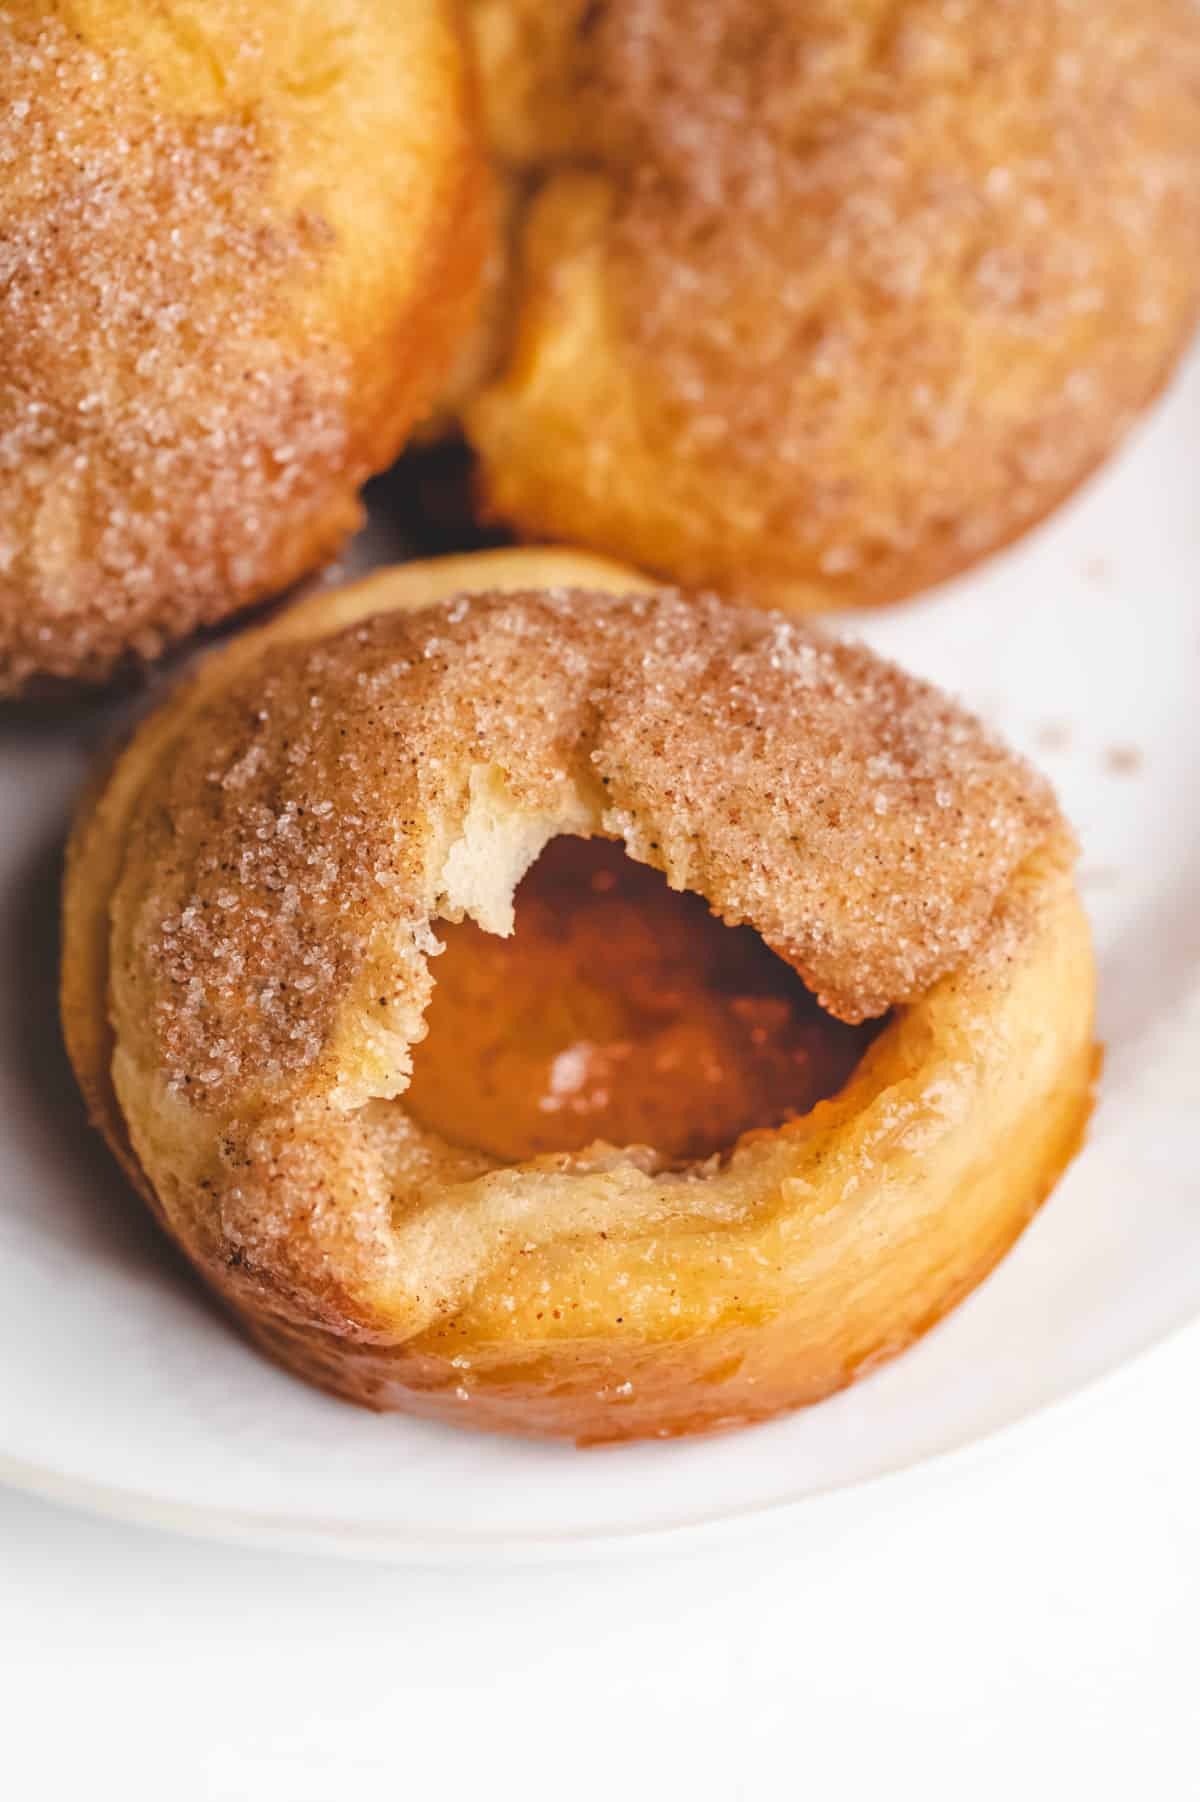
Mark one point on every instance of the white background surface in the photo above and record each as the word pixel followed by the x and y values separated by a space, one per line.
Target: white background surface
pixel 1020 1625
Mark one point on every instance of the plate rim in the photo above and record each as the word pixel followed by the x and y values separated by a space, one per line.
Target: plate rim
pixel 381 1543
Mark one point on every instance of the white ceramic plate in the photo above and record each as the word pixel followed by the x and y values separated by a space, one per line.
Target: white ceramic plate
pixel 124 1390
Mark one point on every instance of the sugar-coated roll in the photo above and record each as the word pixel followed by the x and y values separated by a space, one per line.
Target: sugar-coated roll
pixel 554 1005
pixel 239 248
pixel 827 301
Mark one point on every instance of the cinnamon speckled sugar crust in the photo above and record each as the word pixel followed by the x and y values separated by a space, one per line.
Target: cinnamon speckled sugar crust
pixel 211 332
pixel 252 903
pixel 862 823
pixel 835 297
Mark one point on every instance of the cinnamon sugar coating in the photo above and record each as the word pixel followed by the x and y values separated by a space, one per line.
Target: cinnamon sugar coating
pixel 862 823
pixel 235 259
pixel 837 298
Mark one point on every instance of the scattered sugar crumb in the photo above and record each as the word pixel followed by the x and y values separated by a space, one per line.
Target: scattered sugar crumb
pixel 1123 760
pixel 1054 735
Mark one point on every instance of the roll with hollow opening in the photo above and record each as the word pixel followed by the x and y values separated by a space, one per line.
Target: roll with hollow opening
pixel 261 886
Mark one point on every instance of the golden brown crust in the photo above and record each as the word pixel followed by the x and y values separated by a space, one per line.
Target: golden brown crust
pixel 250 906
pixel 841 299
pixel 237 260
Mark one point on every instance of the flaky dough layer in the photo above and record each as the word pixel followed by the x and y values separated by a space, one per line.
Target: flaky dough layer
pixel 252 899
pixel 238 250
pixel 830 300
